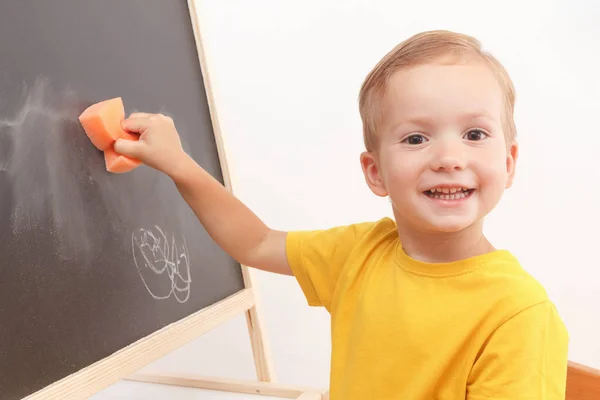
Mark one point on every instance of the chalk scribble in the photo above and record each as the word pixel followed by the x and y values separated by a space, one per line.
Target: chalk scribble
pixel 155 256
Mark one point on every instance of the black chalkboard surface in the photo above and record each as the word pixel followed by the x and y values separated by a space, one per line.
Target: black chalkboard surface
pixel 91 261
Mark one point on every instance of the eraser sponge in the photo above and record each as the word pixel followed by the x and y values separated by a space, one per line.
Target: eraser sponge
pixel 102 122
pixel 102 125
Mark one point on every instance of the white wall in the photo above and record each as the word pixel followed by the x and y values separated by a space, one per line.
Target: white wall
pixel 286 77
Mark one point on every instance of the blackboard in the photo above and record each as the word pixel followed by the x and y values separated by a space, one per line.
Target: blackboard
pixel 75 240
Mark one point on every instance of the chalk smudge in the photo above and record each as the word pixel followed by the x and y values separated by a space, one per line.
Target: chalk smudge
pixel 47 170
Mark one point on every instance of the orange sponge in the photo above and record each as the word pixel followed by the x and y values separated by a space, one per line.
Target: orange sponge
pixel 102 124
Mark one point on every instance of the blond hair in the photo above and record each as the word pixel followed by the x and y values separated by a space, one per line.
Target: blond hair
pixel 423 48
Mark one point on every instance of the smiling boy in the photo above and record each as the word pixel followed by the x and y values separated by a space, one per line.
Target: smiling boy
pixel 422 305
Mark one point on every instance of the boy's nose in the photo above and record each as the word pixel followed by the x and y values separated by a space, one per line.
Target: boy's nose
pixel 448 156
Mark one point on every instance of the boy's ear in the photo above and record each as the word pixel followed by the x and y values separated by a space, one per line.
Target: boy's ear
pixel 511 162
pixel 368 162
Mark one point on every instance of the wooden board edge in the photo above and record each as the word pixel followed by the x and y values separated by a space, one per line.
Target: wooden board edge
pixel 260 348
pixel 226 385
pixel 583 382
pixel 220 142
pixel 209 94
pixel 121 364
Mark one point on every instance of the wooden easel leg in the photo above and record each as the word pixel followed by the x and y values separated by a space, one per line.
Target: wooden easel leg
pixel 260 346
pixel 231 385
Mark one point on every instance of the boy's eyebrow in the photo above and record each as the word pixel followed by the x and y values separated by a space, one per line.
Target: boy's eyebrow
pixel 413 121
pixel 480 115
pixel 424 121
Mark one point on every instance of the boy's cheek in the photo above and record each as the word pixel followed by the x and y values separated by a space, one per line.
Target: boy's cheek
pixel 406 168
pixel 494 185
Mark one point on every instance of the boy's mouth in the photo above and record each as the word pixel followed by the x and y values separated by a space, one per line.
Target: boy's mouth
pixel 455 193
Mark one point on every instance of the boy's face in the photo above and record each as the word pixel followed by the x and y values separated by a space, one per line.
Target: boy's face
pixel 442 156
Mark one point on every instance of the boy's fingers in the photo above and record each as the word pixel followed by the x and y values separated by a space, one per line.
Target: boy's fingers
pixel 140 115
pixel 135 124
pixel 129 148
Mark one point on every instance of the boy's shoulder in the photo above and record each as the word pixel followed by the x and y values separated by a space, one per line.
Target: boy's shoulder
pixel 513 288
pixel 508 270
pixel 354 234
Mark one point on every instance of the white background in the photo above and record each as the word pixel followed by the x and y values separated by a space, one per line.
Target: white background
pixel 286 76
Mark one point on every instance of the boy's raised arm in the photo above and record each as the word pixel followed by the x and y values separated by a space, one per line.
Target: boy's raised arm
pixel 232 225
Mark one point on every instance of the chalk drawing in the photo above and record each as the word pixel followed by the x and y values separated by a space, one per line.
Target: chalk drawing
pixel 155 256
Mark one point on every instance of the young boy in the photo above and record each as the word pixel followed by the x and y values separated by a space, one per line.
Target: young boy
pixel 422 306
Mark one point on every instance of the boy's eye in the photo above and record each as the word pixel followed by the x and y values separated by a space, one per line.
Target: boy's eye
pixel 415 139
pixel 476 134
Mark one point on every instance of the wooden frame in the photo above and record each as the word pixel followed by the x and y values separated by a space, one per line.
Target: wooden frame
pixel 125 362
pixel 583 383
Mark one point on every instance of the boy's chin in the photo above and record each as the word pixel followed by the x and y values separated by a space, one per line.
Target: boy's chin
pixel 452 224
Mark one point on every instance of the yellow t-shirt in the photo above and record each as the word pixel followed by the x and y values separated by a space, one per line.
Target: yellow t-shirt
pixel 480 328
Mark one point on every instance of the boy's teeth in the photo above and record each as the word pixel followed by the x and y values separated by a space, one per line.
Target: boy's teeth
pixel 448 193
pixel 452 196
pixel 448 190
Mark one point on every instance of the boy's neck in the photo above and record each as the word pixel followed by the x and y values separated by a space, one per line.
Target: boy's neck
pixel 441 247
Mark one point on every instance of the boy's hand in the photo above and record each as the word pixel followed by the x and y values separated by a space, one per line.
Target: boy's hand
pixel 159 145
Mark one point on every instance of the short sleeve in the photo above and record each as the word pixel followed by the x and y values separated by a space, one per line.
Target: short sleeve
pixel 318 257
pixel 525 358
